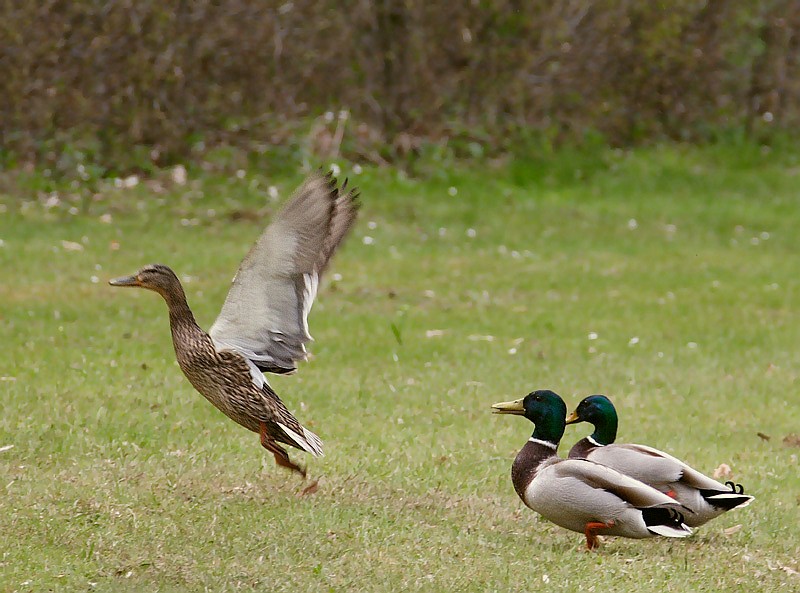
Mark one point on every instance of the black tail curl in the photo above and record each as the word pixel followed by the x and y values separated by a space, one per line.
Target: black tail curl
pixel 662 516
pixel 735 488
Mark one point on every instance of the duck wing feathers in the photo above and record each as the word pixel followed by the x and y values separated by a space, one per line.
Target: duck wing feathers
pixel 651 466
pixel 600 477
pixel 265 315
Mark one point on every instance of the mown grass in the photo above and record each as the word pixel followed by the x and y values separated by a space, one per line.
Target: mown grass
pixel 122 478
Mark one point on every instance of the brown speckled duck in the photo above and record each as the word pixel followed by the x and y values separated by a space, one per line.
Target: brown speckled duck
pixel 263 325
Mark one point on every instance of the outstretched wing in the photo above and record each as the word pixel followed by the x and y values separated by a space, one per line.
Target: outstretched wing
pixel 265 315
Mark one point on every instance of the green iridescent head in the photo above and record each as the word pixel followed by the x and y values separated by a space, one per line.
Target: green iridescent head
pixel 544 408
pixel 598 411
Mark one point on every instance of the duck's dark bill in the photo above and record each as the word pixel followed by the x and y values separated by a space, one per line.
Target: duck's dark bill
pixel 124 281
pixel 573 418
pixel 514 407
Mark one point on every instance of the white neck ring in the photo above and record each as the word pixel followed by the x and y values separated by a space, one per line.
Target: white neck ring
pixel 548 444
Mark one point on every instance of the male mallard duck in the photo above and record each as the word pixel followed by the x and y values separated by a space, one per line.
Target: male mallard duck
pixel 263 325
pixel 702 497
pixel 578 494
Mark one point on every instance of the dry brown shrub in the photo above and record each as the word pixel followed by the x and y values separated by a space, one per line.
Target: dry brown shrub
pixel 165 74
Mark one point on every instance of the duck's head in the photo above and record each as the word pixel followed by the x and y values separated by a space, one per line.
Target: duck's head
pixel 544 408
pixel 156 277
pixel 598 411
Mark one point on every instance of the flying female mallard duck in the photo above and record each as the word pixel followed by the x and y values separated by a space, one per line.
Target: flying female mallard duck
pixel 578 494
pixel 263 325
pixel 702 497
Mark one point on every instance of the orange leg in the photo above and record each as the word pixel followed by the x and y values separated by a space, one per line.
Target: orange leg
pixel 591 530
pixel 281 456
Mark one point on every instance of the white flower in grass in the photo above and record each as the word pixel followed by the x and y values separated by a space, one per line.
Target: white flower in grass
pixel 178 175
pixel 633 341
pixel 632 224
pixel 272 192
pixel 367 240
pixel 472 233
pixel 592 336
pixel 335 169
pixel 357 169
pixel 452 191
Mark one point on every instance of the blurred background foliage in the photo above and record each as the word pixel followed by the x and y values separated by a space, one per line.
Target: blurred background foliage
pixel 122 85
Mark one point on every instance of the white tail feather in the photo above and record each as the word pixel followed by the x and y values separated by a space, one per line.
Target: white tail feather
pixel 669 531
pixel 308 442
pixel 746 500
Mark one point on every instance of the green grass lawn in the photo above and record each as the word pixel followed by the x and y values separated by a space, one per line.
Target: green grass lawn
pixel 457 290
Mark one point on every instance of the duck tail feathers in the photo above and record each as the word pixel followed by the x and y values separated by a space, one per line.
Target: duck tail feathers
pixel 308 441
pixel 735 498
pixel 727 500
pixel 665 521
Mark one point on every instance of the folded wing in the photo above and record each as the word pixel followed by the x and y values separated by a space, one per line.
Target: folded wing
pixel 642 463
pixel 604 478
pixel 686 474
pixel 265 315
